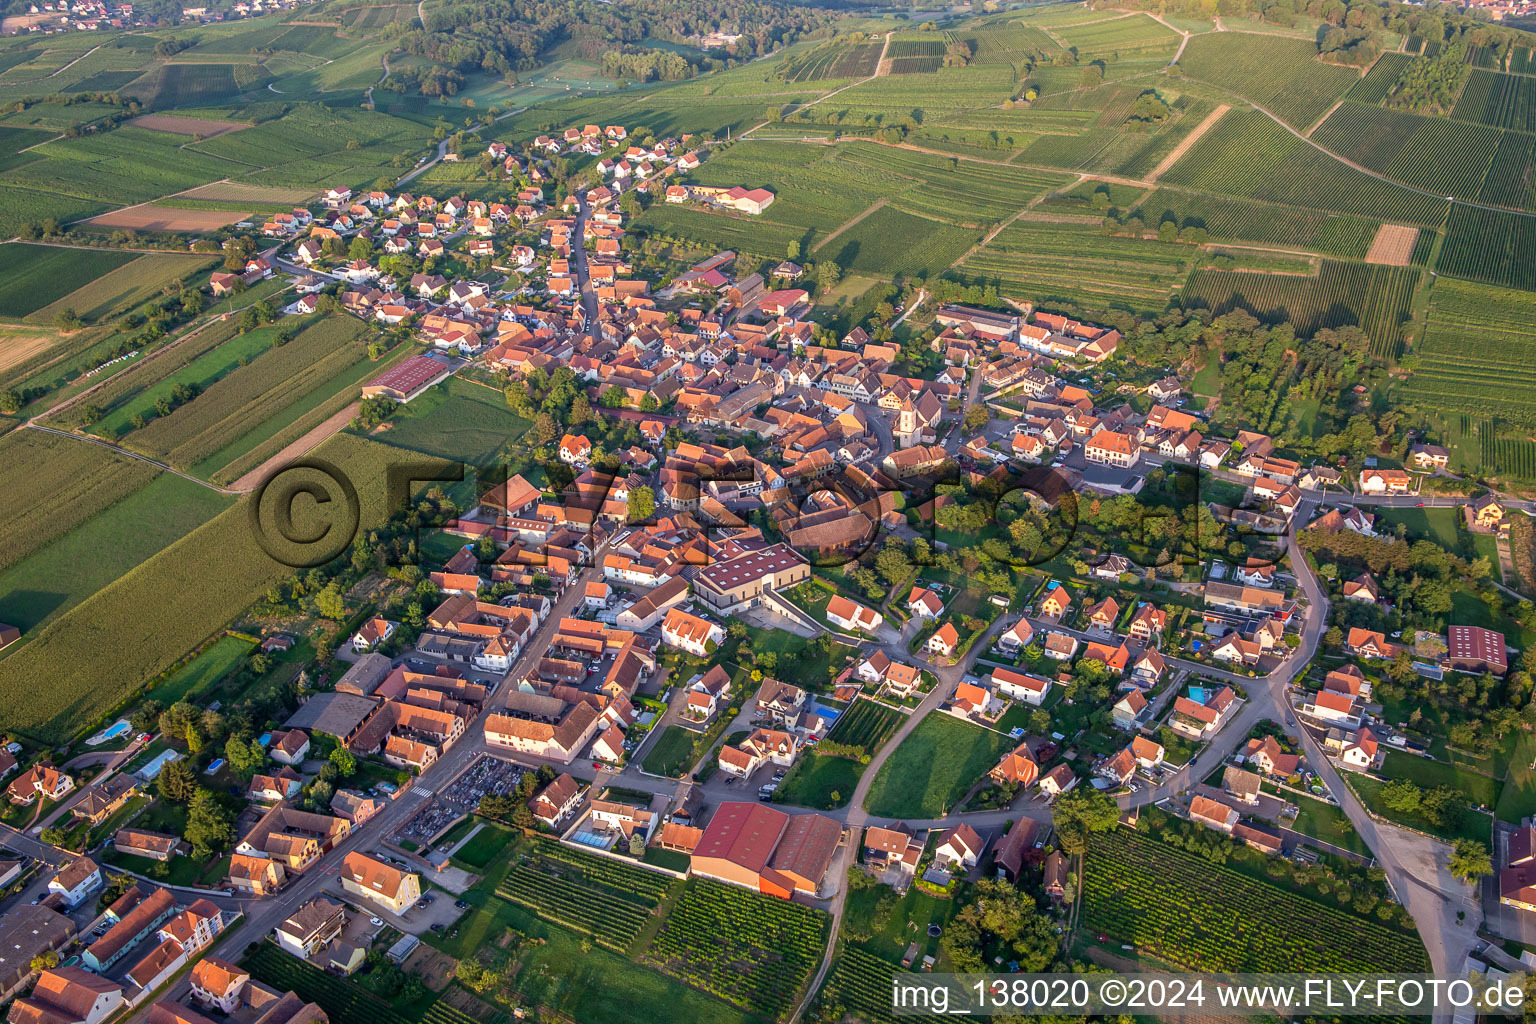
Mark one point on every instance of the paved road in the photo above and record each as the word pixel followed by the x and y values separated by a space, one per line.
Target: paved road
pixel 579 262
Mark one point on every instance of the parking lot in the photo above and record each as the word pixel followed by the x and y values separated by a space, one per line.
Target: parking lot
pixel 485 776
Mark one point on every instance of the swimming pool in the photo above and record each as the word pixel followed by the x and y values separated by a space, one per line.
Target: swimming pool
pixel 149 771
pixel 266 738
pixel 213 769
pixel 1199 694
pixel 592 839
pixel 110 733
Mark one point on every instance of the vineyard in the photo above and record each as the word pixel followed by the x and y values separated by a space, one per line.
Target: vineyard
pixel 1241 220
pixel 1489 246
pixel 1135 38
pixel 915 57
pixel 1449 158
pixel 343 1001
pixel 1378 82
pixel 1496 376
pixel 1248 156
pixel 1196 914
pixel 1377 299
pixel 604 899
pixel 751 950
pixel 832 60
pixel 1503 101
pixel 860 982
pixel 892 243
pixel 866 724
pixel 1076 265
pixel 1280 74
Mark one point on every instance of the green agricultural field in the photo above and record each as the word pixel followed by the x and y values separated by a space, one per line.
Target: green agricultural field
pixel 56 483
pixel 124 166
pixel 867 724
pixel 73 565
pixel 1495 377
pixel 100 652
pixel 1136 37
pixel 897 244
pixel 1449 158
pixel 934 767
pixel 118 291
pixel 1282 75
pixel 32 276
pixel 751 950
pixel 1192 913
pixel 1504 101
pixel 1376 299
pixel 249 395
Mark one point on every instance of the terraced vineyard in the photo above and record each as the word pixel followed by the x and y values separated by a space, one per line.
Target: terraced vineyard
pixel 1497 375
pixel 602 898
pixel 751 950
pixel 1190 912
pixel 1378 299
pixel 1075 264
pixel 1246 155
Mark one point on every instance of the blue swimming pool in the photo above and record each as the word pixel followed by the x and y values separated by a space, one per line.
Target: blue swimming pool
pixel 591 839
pixel 213 769
pixel 266 738
pixel 1199 694
pixel 118 728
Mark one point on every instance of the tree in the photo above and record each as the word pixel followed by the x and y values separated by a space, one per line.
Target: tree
pixel 1402 796
pixel 47 960
pixel 792 250
pixel 1469 861
pixel 1080 812
pixel 68 320
pixel 641 504
pixel 636 844
pixel 209 827
pixel 176 782
pixel 330 602
pixel 977 416
pixel 53 835
pixel 244 757
pixel 146 716
pixel 345 762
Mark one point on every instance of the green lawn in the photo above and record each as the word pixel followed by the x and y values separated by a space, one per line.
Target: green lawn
pixel 1518 798
pixel 1475 825
pixel 480 851
pixel 456 420
pixel 820 781
pixel 1436 524
pixel 1427 774
pixel 1326 822
pixel 203 671
pixel 934 767
pixel 671 753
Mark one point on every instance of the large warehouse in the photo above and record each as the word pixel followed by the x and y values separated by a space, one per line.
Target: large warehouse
pixel 763 848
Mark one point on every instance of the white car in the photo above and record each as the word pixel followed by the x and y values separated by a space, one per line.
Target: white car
pixel 377 922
